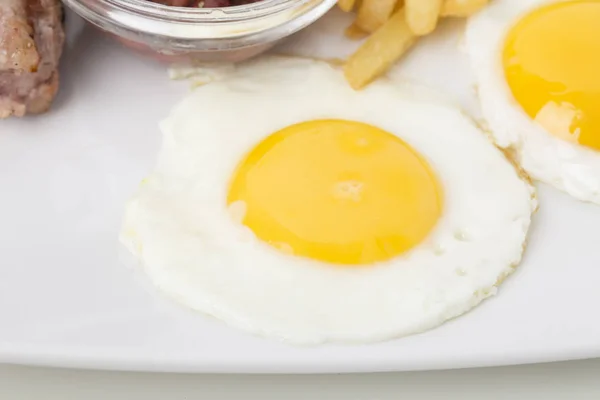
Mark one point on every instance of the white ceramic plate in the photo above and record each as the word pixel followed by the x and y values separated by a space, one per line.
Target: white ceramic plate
pixel 67 300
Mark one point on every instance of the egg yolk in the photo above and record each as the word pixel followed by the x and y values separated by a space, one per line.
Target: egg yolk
pixel 337 191
pixel 552 64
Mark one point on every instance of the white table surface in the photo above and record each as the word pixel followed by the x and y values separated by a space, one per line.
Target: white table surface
pixel 567 380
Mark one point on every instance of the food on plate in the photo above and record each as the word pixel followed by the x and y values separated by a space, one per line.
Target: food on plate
pixel 395 26
pixel 345 215
pixel 31 41
pixel 461 8
pixel 422 15
pixel 16 38
pixel 379 51
pixel 537 66
pixel 346 5
pixel 372 14
pixel 204 3
pixel 354 32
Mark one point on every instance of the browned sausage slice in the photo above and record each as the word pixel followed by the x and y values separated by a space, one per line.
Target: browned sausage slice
pixel 17 46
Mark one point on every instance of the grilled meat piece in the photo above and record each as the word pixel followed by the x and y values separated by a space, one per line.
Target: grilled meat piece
pixel 17 46
pixel 31 42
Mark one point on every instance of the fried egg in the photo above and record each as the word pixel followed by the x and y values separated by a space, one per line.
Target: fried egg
pixel 288 205
pixel 537 64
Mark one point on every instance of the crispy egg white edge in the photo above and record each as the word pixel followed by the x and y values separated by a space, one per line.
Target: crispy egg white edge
pixel 570 167
pixel 160 231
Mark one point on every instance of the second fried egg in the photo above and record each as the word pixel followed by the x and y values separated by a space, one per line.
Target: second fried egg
pixel 288 205
pixel 537 65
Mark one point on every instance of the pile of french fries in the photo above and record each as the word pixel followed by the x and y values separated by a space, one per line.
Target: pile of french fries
pixel 392 27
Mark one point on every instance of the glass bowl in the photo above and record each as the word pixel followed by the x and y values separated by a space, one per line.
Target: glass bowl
pixel 177 34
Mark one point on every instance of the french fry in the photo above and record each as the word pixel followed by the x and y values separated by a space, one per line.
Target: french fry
pixel 377 54
pixel 372 14
pixel 462 8
pixel 399 5
pixel 422 15
pixel 353 32
pixel 346 5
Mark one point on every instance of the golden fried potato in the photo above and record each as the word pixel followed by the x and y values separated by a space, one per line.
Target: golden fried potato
pixel 377 54
pixel 353 32
pixel 422 15
pixel 462 8
pixel 372 14
pixel 398 6
pixel 346 5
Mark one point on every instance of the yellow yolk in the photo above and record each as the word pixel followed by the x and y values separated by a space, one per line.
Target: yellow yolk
pixel 552 65
pixel 336 191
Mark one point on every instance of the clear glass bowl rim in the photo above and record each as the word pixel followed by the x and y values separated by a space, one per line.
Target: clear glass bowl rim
pixel 208 16
pixel 201 28
pixel 202 15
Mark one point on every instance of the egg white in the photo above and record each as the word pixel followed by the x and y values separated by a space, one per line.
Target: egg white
pixel 197 252
pixel 570 167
